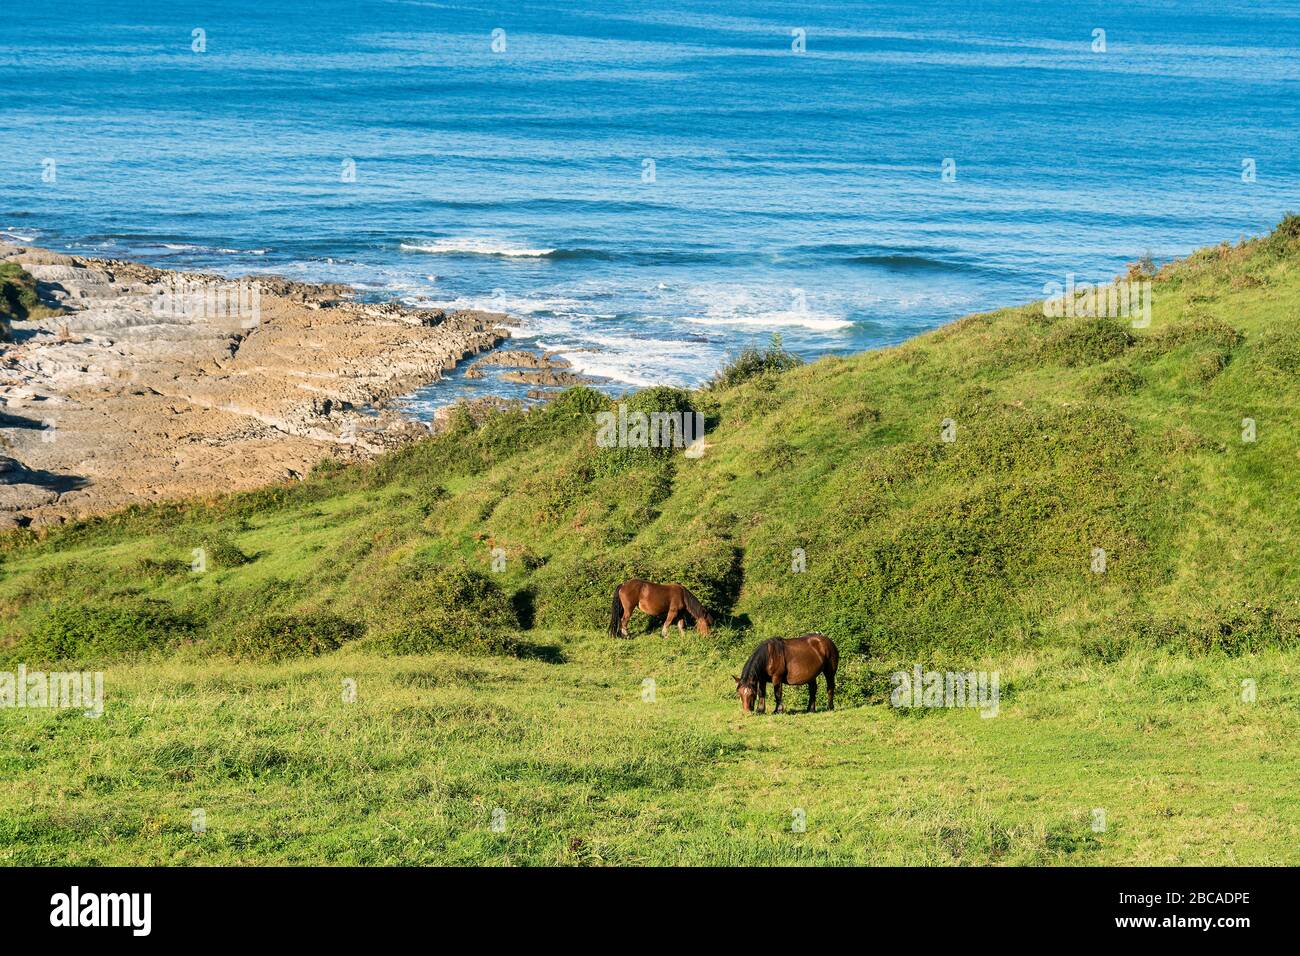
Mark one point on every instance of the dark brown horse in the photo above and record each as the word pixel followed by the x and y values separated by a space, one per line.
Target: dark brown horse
pixel 795 660
pixel 667 599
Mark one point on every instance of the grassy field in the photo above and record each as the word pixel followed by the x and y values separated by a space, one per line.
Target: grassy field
pixel 588 772
pixel 827 499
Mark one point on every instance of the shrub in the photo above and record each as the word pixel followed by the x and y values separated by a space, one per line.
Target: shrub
pixel 1278 350
pixel 425 607
pixel 428 496
pixel 1232 629
pixel 752 363
pixel 222 552
pixel 574 405
pixel 1199 329
pixel 1206 366
pixel 710 567
pixel 159 567
pixel 18 298
pixel 273 637
pixel 1286 233
pixel 102 629
pixel 669 421
pixel 1085 342
pixel 777 454
pixel 230 604
pixel 1118 380
pixel 1143 268
pixel 578 591
pixel 327 467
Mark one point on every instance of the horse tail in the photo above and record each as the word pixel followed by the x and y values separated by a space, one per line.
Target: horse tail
pixel 833 657
pixel 616 613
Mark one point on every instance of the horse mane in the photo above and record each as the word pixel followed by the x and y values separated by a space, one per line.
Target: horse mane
pixel 756 668
pixel 693 604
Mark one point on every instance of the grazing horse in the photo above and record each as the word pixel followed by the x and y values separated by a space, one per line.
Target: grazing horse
pixel 667 599
pixel 795 660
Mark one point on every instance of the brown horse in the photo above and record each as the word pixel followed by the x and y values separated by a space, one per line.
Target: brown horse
pixel 667 599
pixel 795 660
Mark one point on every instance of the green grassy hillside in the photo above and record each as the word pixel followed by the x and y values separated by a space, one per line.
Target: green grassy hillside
pixel 1070 435
pixel 333 672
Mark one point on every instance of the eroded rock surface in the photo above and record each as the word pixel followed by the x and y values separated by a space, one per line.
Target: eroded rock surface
pixel 156 384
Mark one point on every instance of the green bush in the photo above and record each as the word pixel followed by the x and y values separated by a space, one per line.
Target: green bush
pixel 1118 380
pixel 274 637
pixel 160 567
pixel 578 590
pixel 752 363
pixel 1234 628
pixel 1285 235
pixel 18 298
pixel 1279 351
pixel 428 497
pixel 669 420
pixel 1199 329
pixel 573 406
pixel 222 552
pixel 102 629
pixel 425 607
pixel 775 455
pixel 1085 342
pixel 710 567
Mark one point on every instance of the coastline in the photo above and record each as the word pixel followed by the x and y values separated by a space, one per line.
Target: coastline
pixel 147 384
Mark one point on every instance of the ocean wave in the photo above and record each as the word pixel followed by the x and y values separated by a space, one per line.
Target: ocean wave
pixel 634 256
pixel 476 247
pixel 816 321
pixel 668 367
pixel 145 245
pixel 602 367
pixel 511 305
pixel 905 262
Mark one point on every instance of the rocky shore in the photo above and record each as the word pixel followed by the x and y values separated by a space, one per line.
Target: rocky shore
pixel 147 385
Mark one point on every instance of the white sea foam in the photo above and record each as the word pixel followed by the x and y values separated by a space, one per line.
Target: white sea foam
pixel 471 246
pixel 631 360
pixel 769 307
pixel 817 321
pixel 511 305
pixel 191 247
pixel 588 364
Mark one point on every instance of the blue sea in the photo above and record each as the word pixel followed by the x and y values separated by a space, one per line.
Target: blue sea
pixel 651 187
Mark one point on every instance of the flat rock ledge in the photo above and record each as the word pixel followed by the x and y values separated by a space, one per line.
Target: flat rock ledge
pixel 155 385
pixel 544 369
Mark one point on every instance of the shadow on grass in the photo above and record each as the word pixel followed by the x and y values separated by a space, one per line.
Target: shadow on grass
pixel 546 653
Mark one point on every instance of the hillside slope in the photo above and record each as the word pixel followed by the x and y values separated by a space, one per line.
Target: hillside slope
pixel 1070 435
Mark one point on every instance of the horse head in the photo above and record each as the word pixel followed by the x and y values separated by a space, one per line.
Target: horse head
pixel 746 691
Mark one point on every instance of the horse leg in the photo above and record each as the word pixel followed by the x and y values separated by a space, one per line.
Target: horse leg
pixel 672 614
pixel 627 616
pixel 812 695
pixel 830 690
pixel 760 706
pixel 776 694
pixel 681 626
